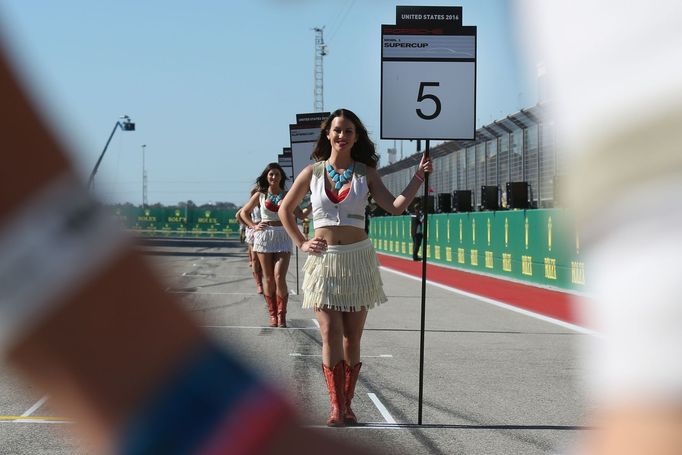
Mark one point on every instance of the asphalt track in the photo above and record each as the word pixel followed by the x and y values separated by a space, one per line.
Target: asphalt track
pixel 496 381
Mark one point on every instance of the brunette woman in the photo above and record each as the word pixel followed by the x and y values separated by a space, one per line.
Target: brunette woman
pixel 271 242
pixel 342 280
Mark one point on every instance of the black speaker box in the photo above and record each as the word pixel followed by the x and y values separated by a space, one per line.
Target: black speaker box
pixel 461 200
pixel 517 195
pixel 489 199
pixel 444 202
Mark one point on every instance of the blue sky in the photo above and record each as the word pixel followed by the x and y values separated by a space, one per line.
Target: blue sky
pixel 213 85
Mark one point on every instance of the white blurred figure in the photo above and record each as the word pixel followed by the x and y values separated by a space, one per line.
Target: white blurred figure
pixel 615 72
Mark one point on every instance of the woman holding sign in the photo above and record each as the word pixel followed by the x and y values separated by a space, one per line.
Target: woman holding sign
pixel 270 241
pixel 342 278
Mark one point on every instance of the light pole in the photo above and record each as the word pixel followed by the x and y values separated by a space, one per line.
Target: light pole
pixel 144 179
pixel 126 125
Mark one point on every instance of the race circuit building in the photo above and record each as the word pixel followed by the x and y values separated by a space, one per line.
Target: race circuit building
pixel 518 148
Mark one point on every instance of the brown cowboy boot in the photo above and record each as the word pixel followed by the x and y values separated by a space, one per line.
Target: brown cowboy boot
pixel 335 378
pixel 259 281
pixel 282 310
pixel 351 379
pixel 272 309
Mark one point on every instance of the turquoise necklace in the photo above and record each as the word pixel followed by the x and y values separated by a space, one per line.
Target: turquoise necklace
pixel 275 198
pixel 339 179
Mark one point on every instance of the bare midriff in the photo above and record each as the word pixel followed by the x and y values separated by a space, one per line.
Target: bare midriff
pixel 341 235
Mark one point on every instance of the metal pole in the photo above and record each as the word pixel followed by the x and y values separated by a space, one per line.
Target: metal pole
pixel 296 270
pixel 91 180
pixel 423 316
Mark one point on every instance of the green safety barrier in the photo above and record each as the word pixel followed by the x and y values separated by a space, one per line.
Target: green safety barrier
pixel 538 246
pixel 179 222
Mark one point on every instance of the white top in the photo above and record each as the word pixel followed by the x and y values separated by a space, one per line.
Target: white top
pixel 255 214
pixel 266 214
pixel 350 211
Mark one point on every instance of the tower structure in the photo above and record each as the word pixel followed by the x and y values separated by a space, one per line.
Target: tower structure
pixel 318 69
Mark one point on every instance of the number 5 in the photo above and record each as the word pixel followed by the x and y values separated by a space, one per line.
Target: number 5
pixel 421 97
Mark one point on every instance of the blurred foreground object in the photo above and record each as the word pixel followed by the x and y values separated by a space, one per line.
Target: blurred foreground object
pixel 615 74
pixel 83 317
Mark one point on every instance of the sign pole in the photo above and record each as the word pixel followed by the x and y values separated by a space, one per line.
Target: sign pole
pixel 296 270
pixel 423 317
pixel 428 92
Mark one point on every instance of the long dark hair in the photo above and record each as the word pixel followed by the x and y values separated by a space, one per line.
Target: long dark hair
pixel 262 181
pixel 363 150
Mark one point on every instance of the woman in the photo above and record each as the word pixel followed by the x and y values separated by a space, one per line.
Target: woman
pixel 342 277
pixel 256 269
pixel 271 242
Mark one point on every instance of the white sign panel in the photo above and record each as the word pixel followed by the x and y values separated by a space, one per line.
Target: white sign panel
pixel 428 84
pixel 303 141
pixel 428 100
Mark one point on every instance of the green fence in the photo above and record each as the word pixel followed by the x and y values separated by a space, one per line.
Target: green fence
pixel 179 222
pixel 538 246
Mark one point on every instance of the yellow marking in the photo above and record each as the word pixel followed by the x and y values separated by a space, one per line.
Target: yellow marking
pixel 473 230
pixel 460 230
pixel 550 268
pixel 577 272
pixel 527 265
pixel 577 243
pixel 460 255
pixel 474 257
pixel 506 232
pixel 549 233
pixel 488 231
pixel 448 229
pixel 489 259
pixel 527 233
pixel 507 262
pixel 35 418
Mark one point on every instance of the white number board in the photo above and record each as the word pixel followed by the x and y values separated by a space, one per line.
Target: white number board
pixel 428 84
pixel 303 139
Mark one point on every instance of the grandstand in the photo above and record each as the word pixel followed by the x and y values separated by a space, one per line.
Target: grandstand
pixel 518 148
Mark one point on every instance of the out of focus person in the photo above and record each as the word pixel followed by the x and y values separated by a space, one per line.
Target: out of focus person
pixel 254 263
pixel 83 317
pixel 616 77
pixel 416 230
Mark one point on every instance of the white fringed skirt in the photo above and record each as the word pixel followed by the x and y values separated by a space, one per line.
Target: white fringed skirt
pixel 343 278
pixel 249 235
pixel 272 239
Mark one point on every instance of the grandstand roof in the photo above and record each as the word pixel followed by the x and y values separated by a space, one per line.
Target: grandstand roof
pixel 519 120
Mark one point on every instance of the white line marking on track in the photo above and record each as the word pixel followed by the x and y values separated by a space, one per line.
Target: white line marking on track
pixel 365 426
pixel 506 306
pixel 211 293
pixel 382 409
pixel 29 420
pixel 382 356
pixel 256 327
pixel 316 322
pixel 372 426
pixel 35 407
